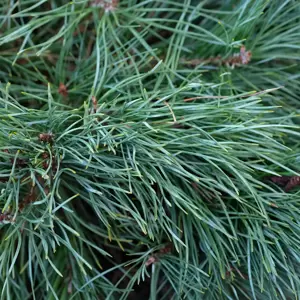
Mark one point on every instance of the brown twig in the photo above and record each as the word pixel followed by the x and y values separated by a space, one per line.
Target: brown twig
pixel 151 260
pixel 293 182
pixel 46 162
pixel 155 256
pixel 62 90
pixel 241 58
pixel 29 198
pixel 95 104
pixel 289 182
pixel 46 137
pixel 180 126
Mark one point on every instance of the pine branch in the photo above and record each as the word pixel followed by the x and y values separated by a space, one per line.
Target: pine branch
pixel 136 162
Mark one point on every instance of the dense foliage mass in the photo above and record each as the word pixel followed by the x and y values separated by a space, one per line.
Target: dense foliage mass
pixel 149 149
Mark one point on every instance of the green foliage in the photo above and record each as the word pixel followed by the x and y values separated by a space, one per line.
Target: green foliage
pixel 141 154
